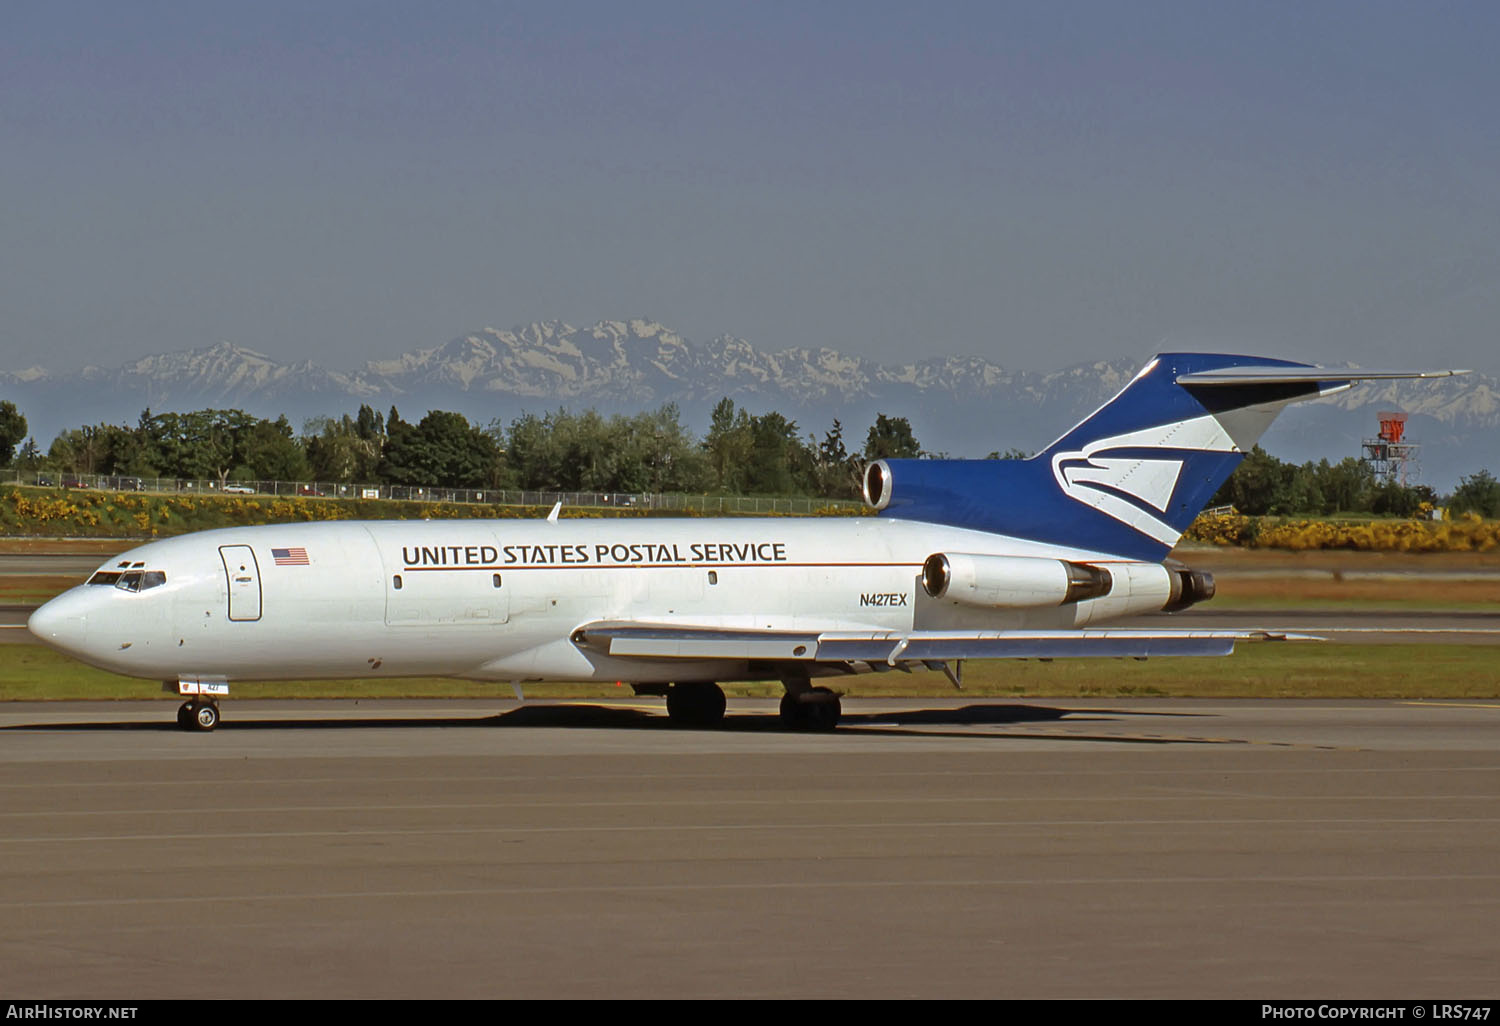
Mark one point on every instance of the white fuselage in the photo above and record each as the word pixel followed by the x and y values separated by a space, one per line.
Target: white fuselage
pixel 500 599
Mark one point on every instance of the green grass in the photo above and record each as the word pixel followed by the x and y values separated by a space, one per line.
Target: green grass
pixel 1258 670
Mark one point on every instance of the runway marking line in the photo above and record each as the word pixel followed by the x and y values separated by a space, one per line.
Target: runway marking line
pixel 945 883
pixel 1453 705
pixel 841 801
pixel 136 783
pixel 637 828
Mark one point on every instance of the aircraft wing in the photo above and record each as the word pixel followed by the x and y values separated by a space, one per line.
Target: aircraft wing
pixel 673 641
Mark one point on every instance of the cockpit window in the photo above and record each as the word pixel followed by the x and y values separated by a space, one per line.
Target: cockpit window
pixel 131 580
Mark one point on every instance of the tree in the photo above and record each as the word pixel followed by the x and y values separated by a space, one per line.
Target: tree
pixel 399 461
pixel 345 450
pixel 836 473
pixel 1257 486
pixel 456 452
pixel 1392 498
pixel 658 454
pixel 270 453
pixel 442 449
pixel 728 445
pixel 12 430
pixel 530 455
pixel 1477 493
pixel 891 438
pixel 29 457
pixel 778 461
pixel 97 449
pixel 1263 485
pixel 1348 485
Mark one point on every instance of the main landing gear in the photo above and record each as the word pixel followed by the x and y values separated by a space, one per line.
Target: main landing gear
pixel 198 714
pixel 701 704
pixel 695 704
pixel 805 707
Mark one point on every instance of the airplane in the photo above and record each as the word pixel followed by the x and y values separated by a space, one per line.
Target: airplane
pixel 962 559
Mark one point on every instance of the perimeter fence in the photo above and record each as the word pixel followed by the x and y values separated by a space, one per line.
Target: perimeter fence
pixel 667 502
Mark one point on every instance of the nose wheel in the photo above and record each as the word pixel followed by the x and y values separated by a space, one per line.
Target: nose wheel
pixel 199 714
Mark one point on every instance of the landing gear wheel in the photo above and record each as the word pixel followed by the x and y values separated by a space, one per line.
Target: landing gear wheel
pixel 813 709
pixel 790 708
pixel 185 716
pixel 821 709
pixel 698 704
pixel 205 716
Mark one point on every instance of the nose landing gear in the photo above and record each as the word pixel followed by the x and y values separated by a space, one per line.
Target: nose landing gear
pixel 201 710
pixel 198 714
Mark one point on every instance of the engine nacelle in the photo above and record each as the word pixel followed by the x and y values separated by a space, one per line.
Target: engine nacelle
pixel 1010 582
pixel 1148 588
pixel 1189 587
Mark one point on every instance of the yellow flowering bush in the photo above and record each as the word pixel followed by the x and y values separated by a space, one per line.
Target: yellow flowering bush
pixel 1468 533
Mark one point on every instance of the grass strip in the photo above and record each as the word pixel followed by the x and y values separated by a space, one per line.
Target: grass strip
pixel 1257 670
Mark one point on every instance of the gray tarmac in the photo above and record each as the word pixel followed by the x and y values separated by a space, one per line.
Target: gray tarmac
pixel 932 848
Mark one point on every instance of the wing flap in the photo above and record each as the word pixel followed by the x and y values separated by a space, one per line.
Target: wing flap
pixel 670 641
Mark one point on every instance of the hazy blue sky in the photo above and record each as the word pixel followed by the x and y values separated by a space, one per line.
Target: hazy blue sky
pixel 1036 183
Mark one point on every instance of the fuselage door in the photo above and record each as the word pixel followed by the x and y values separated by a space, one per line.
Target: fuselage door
pixel 244 581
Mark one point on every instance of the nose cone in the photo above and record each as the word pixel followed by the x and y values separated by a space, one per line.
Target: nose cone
pixel 62 623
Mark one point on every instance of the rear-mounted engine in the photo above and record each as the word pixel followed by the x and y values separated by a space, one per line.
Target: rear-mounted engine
pixel 1189 587
pixel 1010 582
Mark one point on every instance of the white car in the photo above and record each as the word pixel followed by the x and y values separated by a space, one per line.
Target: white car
pixel 238 490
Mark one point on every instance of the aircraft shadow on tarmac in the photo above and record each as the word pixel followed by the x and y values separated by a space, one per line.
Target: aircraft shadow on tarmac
pixel 584 715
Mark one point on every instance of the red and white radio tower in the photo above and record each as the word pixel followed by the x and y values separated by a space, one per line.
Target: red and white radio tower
pixel 1391 458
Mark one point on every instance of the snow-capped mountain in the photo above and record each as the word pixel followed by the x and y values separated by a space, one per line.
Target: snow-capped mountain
pixel 965 406
pixel 222 373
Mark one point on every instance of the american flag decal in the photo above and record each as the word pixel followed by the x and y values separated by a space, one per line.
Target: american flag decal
pixel 290 557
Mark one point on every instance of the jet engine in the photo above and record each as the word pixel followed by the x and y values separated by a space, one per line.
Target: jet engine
pixel 1189 587
pixel 1025 582
pixel 1011 582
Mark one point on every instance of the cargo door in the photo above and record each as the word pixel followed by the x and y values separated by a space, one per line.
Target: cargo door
pixel 244 581
pixel 451 597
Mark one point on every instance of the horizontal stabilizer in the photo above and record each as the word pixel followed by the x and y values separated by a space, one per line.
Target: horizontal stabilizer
pixel 668 641
pixel 1131 477
pixel 1257 374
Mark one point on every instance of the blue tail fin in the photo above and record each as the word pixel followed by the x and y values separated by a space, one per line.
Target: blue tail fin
pixel 1129 479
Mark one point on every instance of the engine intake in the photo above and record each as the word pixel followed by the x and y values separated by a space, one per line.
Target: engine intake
pixel 877 484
